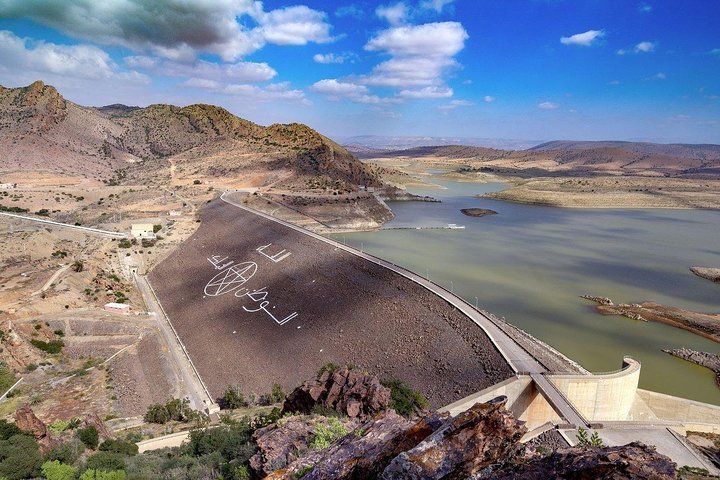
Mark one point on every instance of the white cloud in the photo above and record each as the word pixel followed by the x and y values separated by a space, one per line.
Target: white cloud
pixel 715 51
pixel 455 104
pixel 297 25
pixel 584 39
pixel 409 71
pixel 78 61
pixel 337 90
pixel 436 5
pixel 488 99
pixel 278 91
pixel 201 83
pixel 614 82
pixel 548 105
pixel 334 57
pixel 645 8
pixel 659 76
pixel 246 72
pixel 644 47
pixel 394 14
pixel 351 10
pixel 174 29
pixel 431 39
pixel 427 92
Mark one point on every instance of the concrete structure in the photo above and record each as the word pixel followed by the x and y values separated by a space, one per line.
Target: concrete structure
pixel 98 231
pixel 117 308
pixel 142 230
pixel 601 397
pixel 7 186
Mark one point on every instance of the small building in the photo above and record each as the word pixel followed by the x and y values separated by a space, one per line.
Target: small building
pixel 117 308
pixel 174 213
pixel 7 186
pixel 142 230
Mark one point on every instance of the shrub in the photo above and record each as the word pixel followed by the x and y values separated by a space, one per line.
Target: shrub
pixel 326 435
pixel 78 266
pixel 92 474
pixel 404 399
pixel 157 228
pixel 54 470
pixel 196 182
pixel 59 426
pixel 328 367
pixel 8 430
pixel 88 436
pixel 125 243
pixel 119 446
pixel 233 398
pixel 54 346
pixel 592 441
pixel 7 378
pixel 20 457
pixel 67 452
pixel 277 394
pixel 107 461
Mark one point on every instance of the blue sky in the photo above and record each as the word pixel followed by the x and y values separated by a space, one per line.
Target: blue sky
pixel 516 69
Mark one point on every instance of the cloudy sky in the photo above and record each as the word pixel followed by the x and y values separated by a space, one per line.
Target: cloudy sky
pixel 516 69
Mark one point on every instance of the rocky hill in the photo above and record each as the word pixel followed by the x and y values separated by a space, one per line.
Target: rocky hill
pixel 582 158
pixel 42 131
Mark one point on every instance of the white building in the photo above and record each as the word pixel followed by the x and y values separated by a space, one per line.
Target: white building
pixel 117 308
pixel 7 186
pixel 142 230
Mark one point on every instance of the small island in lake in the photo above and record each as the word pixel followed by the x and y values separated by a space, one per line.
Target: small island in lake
pixel 477 212
pixel 712 274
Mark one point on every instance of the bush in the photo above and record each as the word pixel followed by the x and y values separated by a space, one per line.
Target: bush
pixel 53 346
pixel 88 436
pixel 59 426
pixel 20 457
pixel 125 243
pixel 102 475
pixel 326 435
pixel 157 228
pixel 196 182
pixel 8 430
pixel 107 461
pixel 175 409
pixel 7 378
pixel 119 446
pixel 233 398
pixel 277 394
pixel 403 399
pixel 328 367
pixel 54 470
pixel 67 452
pixel 78 266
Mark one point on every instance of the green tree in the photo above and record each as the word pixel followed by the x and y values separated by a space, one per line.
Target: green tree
pixel 277 394
pixel 233 398
pixel 88 436
pixel 8 430
pixel 102 475
pixel 20 457
pixel 157 413
pixel 106 461
pixel 54 470
pixel 67 452
pixel 119 446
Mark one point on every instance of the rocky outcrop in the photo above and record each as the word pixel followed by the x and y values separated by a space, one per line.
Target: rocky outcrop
pixel 599 300
pixel 346 391
pixel 93 420
pixel 285 441
pixel 633 461
pixel 705 359
pixel 26 420
pixel 365 452
pixel 464 446
pixel 712 274
pixel 477 212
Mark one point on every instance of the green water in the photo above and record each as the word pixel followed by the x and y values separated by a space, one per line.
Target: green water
pixel 530 264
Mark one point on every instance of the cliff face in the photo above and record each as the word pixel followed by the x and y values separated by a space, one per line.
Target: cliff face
pixel 41 131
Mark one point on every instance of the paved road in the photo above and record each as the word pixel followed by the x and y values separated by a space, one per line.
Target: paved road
pixel 520 360
pixel 192 384
pixel 98 231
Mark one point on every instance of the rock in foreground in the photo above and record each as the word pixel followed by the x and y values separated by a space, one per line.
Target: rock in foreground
pixel 634 461
pixel 346 391
pixel 465 445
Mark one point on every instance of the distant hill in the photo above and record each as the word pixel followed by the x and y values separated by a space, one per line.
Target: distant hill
pixel 388 143
pixel 42 131
pixel 566 157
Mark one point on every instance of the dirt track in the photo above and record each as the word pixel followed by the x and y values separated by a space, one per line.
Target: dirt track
pixel 349 311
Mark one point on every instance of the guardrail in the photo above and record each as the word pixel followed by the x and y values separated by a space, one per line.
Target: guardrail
pixel 66 225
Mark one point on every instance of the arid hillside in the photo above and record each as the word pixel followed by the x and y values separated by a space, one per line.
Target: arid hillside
pixel 578 158
pixel 42 131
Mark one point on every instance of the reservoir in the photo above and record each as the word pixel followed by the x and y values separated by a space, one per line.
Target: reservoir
pixel 530 264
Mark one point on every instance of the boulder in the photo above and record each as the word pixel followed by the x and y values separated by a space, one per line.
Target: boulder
pixel 285 441
pixel 633 461
pixel 364 453
pixel 26 420
pixel 346 391
pixel 465 445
